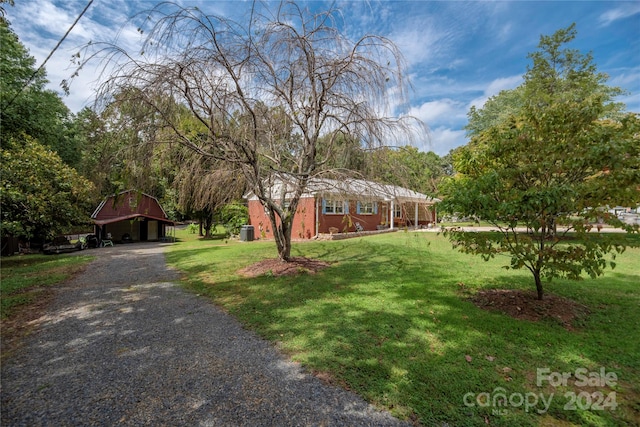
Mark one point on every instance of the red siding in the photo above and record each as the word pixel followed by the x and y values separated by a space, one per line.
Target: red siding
pixel 304 224
pixel 346 223
pixel 305 219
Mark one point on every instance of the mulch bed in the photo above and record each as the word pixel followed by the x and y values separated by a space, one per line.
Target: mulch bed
pixel 525 305
pixel 277 267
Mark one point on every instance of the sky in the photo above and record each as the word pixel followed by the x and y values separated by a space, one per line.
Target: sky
pixel 458 53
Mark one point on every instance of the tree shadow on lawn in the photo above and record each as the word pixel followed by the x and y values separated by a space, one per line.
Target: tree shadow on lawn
pixel 405 346
pixel 401 333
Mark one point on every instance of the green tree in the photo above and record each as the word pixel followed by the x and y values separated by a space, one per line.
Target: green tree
pixel 233 216
pixel 496 110
pixel 27 107
pixel 407 167
pixel 39 194
pixel 549 166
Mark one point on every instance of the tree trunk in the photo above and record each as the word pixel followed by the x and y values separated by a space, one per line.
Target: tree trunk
pixel 208 222
pixel 536 275
pixel 282 235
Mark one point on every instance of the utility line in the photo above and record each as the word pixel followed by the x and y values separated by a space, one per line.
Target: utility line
pixel 35 73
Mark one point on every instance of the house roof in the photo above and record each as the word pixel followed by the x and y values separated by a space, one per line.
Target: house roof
pixel 361 188
pixel 128 205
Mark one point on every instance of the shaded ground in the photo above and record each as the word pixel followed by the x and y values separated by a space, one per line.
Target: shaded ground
pixel 515 303
pixel 524 305
pixel 123 344
pixel 19 324
pixel 276 267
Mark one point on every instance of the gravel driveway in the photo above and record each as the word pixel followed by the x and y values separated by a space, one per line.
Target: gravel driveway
pixel 123 345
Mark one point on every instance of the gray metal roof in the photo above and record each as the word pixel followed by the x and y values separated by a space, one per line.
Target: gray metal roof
pixel 349 188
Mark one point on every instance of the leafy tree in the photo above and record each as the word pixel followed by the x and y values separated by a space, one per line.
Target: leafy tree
pixel 27 107
pixel 408 167
pixel 39 194
pixel 119 149
pixel 233 216
pixel 269 93
pixel 549 166
pixel 496 110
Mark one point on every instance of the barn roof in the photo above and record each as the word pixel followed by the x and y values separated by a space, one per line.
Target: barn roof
pixel 128 205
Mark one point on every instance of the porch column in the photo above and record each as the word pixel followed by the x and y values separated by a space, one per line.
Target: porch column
pixel 392 214
pixel 317 215
pixel 415 224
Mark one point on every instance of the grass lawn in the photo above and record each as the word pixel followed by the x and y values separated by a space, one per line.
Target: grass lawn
pixel 390 319
pixel 24 278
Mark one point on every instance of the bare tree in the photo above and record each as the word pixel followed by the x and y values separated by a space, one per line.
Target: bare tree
pixel 271 93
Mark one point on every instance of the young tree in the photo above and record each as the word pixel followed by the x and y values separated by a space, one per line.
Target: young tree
pixel 564 151
pixel 274 94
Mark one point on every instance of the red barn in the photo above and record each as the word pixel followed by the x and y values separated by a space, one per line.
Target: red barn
pixel 131 213
pixel 334 207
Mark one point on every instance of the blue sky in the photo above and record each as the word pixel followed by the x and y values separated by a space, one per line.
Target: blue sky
pixel 458 53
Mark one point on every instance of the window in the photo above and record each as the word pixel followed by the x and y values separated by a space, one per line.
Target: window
pixel 330 206
pixel 367 208
pixel 398 211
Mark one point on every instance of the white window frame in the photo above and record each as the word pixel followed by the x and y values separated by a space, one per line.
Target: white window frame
pixel 367 208
pixel 333 207
pixel 397 211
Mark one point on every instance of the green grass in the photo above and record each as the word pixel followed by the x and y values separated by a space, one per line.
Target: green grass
pixel 391 321
pixel 23 278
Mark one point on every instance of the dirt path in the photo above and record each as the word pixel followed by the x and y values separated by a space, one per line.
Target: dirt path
pixel 121 344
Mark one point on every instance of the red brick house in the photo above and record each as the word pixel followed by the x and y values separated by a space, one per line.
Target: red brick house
pixel 332 206
pixel 131 212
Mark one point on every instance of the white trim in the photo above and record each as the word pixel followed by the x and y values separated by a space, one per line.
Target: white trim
pixel 104 201
pixel 393 214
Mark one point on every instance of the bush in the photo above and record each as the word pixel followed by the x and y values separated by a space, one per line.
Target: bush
pixel 192 228
pixel 234 216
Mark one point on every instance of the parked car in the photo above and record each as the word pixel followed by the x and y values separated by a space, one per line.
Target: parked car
pixel 61 244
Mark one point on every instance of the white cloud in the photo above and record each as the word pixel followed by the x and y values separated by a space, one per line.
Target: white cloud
pixel 418 44
pixel 443 140
pixel 625 10
pixel 440 111
pixel 494 88
pixel 626 78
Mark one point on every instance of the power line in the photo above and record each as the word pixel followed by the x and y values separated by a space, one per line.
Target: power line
pixel 50 55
